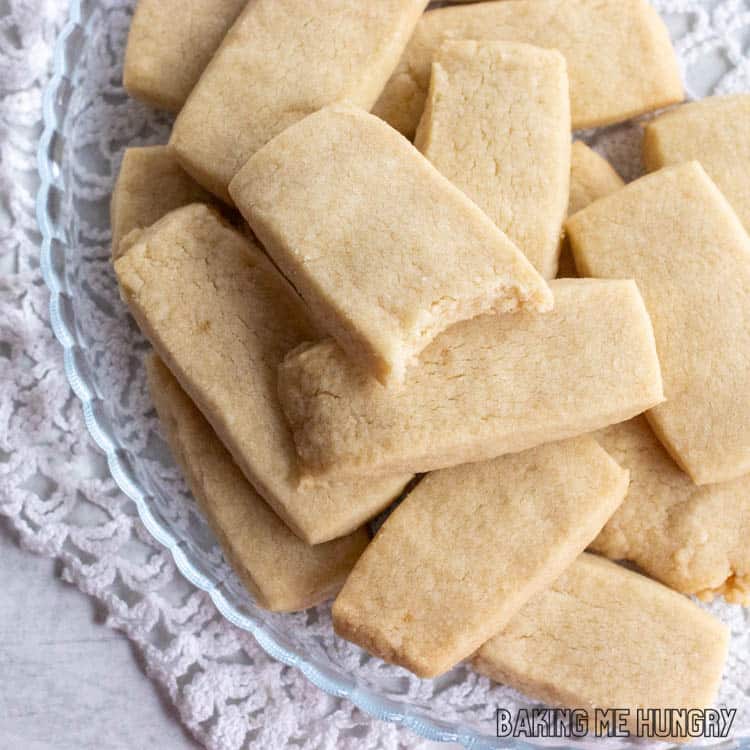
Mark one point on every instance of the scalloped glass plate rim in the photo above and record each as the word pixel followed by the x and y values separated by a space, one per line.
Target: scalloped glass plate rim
pixel 378 707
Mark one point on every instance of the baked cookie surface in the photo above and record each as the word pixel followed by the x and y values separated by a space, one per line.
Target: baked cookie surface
pixel 497 125
pixel 169 45
pixel 678 237
pixel 282 572
pixel 694 539
pixel 591 177
pixel 492 385
pixel 480 540
pixel 604 637
pixel 149 185
pixel 384 250
pixel 620 58
pixel 713 131
pixel 222 318
pixel 280 61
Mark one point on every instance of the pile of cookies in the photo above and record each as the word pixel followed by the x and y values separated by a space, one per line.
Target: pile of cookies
pixel 342 318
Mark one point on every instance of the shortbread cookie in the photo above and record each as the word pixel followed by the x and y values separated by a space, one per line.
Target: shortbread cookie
pixel 384 250
pixel 222 318
pixel 282 572
pixel 492 385
pixel 497 125
pixel 480 539
pixel 677 236
pixel 713 131
pixel 283 60
pixel 620 58
pixel 694 539
pixel 591 177
pixel 151 184
pixel 605 637
pixel 170 43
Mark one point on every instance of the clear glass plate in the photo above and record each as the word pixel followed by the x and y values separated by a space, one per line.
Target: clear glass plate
pixel 88 121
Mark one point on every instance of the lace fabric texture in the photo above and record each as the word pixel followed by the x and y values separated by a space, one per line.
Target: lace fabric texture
pixel 55 486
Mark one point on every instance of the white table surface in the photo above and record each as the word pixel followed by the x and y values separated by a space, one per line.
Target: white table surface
pixel 67 681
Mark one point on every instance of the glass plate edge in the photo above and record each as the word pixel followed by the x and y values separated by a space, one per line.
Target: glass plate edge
pixel 383 709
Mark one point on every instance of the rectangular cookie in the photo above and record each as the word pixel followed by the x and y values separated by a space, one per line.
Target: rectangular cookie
pixel 620 58
pixel 694 539
pixel 283 60
pixel 691 538
pixel 384 250
pixel 677 236
pixel 170 42
pixel 150 184
pixel 492 385
pixel 480 540
pixel 591 177
pixel 604 637
pixel 282 572
pixel 222 318
pixel 497 125
pixel 713 131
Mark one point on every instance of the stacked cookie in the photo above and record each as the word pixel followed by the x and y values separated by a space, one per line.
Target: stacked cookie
pixel 342 318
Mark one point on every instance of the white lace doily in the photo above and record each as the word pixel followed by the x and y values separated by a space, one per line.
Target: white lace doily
pixel 57 492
